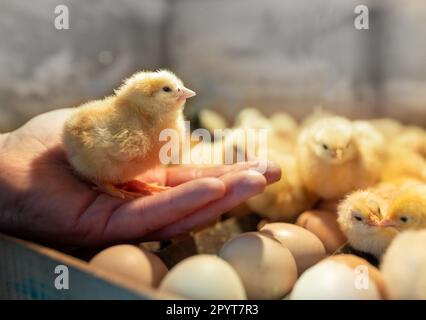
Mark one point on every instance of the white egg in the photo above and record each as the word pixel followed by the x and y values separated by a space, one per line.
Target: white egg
pixel 403 264
pixel 204 277
pixel 333 280
pixel 266 267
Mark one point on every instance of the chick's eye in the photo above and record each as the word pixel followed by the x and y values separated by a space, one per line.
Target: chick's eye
pixel 167 89
pixel 324 146
pixel 357 217
pixel 403 219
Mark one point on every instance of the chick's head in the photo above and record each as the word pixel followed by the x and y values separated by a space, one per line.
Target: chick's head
pixel 332 140
pixel 361 211
pixel 408 210
pixel 160 91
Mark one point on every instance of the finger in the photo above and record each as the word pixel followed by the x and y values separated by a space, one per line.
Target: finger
pixel 181 174
pixel 240 186
pixel 143 215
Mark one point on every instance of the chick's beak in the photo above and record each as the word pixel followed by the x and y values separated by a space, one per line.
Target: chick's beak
pixel 338 154
pixel 388 223
pixel 373 222
pixel 185 93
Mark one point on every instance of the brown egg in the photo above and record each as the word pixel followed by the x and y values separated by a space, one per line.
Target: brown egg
pixel 341 277
pixel 324 225
pixel 134 263
pixel 305 247
pixel 266 267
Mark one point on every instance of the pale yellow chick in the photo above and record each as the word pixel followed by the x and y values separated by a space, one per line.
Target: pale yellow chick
pixel 282 129
pixel 288 197
pixel 251 118
pixel 111 141
pixel 408 209
pixel 389 128
pixel 284 125
pixel 337 156
pixel 359 217
pixel 406 156
pixel 212 120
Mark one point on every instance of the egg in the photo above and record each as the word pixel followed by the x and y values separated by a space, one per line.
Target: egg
pixel 324 225
pixel 266 267
pixel 422 283
pixel 354 262
pixel 131 262
pixel 404 266
pixel 305 247
pixel 341 277
pixel 204 277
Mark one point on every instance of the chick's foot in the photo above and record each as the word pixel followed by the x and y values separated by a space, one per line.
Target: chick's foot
pixel 143 187
pixel 120 191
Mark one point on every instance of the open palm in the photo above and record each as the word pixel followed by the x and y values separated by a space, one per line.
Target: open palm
pixel 41 198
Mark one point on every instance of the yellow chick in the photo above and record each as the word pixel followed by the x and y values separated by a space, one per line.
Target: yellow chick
pixel 389 128
pixel 337 156
pixel 251 118
pixel 359 217
pixel 111 141
pixel 284 125
pixel 243 141
pixel 236 144
pixel 318 113
pixel 212 120
pixel 408 209
pixel 247 139
pixel 406 156
pixel 288 197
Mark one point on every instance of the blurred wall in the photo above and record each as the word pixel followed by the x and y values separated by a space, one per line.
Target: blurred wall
pixel 295 55
pixel 42 68
pixel 273 54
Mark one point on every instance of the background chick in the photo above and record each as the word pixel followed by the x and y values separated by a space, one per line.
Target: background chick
pixel 231 146
pixel 337 156
pixel 251 118
pixel 318 113
pixel 359 216
pixel 211 120
pixel 408 209
pixel 284 125
pixel 111 141
pixel 243 142
pixel 406 158
pixel 288 197
pixel 281 131
pixel 389 128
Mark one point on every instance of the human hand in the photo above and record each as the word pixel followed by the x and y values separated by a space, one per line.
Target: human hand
pixel 42 199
